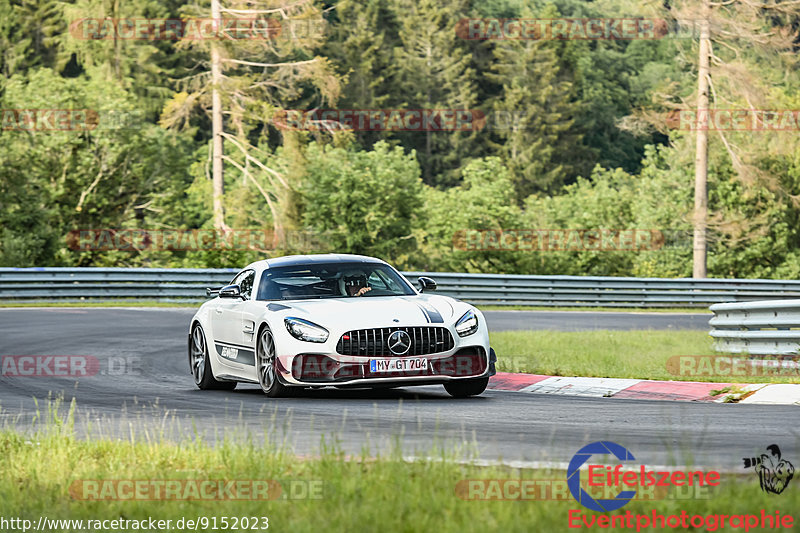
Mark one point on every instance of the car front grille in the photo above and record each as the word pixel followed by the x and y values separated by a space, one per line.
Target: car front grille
pixel 425 340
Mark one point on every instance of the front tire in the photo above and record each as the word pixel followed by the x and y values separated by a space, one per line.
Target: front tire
pixel 201 366
pixel 466 387
pixel 266 365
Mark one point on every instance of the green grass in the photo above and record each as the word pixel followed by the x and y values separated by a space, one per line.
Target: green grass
pixel 387 493
pixel 610 354
pixel 682 310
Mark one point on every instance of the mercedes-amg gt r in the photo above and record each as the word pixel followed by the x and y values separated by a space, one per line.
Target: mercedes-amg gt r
pixel 336 320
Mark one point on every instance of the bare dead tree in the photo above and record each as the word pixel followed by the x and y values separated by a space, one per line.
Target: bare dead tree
pixel 253 73
pixel 729 38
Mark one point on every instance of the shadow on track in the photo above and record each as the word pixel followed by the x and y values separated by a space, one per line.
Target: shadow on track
pixel 331 393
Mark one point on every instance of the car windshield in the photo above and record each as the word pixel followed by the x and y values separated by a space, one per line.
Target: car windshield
pixel 331 280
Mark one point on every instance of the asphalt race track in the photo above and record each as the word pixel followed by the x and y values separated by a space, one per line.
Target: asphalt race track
pixel 143 386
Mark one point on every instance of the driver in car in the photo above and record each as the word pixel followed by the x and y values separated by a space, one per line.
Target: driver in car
pixel 356 284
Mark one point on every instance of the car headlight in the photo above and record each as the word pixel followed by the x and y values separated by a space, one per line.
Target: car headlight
pixel 467 324
pixel 305 330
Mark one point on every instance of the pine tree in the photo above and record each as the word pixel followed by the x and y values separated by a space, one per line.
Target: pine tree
pixel 532 113
pixel 29 35
pixel 145 66
pixel 434 72
pixel 361 43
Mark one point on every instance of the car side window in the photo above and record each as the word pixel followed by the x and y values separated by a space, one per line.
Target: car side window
pixel 237 279
pixel 245 282
pixel 376 281
pixel 387 283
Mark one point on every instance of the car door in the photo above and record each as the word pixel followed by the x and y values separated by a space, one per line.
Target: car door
pixel 230 341
pixel 245 312
pixel 251 310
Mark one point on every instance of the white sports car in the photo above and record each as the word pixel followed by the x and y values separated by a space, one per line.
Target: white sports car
pixel 336 320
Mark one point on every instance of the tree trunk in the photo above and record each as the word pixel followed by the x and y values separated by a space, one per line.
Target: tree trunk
pixel 117 44
pixel 216 126
pixel 700 250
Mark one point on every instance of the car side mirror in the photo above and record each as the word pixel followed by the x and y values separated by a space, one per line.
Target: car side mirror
pixel 426 284
pixel 212 292
pixel 230 291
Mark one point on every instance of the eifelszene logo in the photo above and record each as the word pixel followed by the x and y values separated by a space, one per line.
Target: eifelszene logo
pixel 574 476
pixel 607 476
pixel 774 473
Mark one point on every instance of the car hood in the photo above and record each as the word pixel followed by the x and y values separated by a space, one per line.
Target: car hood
pixel 376 311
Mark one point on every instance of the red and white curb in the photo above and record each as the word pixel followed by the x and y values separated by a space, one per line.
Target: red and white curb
pixel 640 389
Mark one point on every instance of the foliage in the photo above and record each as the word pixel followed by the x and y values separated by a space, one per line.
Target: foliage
pixel 102 175
pixel 362 201
pixel 587 146
pixel 484 200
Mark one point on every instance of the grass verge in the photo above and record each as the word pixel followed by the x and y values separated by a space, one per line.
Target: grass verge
pixel 641 354
pixel 681 310
pixel 41 473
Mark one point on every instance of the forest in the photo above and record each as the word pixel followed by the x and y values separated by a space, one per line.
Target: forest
pixel 498 136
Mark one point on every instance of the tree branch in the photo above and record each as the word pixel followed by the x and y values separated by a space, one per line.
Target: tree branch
pixel 254 160
pixel 276 225
pixel 255 64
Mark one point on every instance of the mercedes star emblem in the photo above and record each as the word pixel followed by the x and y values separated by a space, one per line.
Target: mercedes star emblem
pixel 399 342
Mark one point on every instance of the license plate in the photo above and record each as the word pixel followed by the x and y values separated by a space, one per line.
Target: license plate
pixel 397 365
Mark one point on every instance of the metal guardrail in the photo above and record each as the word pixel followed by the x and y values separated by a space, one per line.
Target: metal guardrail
pixel 488 289
pixel 596 291
pixel 757 328
pixel 110 283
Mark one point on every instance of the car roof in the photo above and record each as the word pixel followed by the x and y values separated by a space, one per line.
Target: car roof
pixel 297 260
